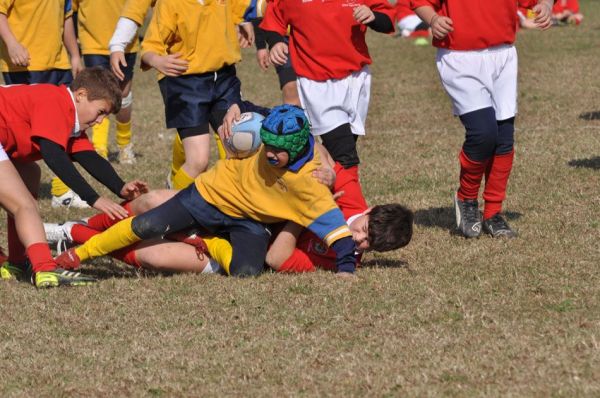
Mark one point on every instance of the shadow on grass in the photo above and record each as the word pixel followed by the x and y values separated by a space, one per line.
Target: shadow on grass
pixel 445 218
pixel 590 115
pixel 589 163
pixel 44 192
pixel 385 263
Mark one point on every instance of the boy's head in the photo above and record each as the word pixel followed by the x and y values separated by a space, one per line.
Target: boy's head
pixel 287 138
pixel 97 94
pixel 383 228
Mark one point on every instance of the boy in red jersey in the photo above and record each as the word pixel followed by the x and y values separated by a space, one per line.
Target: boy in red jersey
pixel 567 11
pixel 330 56
pixel 477 62
pixel 47 122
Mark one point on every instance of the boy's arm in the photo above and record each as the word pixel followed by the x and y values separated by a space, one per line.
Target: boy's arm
pixel 58 161
pixel 70 42
pixel 124 34
pixel 543 11
pixel 283 245
pixel 17 53
pixel 440 25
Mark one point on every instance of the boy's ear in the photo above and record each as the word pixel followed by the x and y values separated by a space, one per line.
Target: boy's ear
pixel 80 93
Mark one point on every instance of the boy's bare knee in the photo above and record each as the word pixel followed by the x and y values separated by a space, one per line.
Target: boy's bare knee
pixel 151 200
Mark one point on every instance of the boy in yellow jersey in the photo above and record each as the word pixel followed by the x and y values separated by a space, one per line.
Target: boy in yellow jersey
pixel 194 47
pixel 93 19
pixel 29 57
pixel 237 197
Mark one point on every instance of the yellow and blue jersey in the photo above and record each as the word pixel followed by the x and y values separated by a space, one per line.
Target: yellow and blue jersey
pixel 252 188
pixel 38 26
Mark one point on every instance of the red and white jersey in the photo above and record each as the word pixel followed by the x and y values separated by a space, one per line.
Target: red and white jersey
pixel 42 111
pixel 326 42
pixel 477 24
pixel 352 204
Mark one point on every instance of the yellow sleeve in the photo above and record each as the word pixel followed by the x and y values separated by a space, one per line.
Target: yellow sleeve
pixel 161 30
pixel 5 5
pixel 238 9
pixel 136 10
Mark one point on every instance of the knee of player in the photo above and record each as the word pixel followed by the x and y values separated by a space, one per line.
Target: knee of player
pixel 481 133
pixel 150 200
pixel 241 267
pixel 148 227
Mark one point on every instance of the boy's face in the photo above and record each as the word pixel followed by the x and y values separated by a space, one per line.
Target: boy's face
pixel 276 157
pixel 89 112
pixel 360 231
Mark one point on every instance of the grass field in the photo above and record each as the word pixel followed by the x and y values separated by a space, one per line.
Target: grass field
pixel 444 316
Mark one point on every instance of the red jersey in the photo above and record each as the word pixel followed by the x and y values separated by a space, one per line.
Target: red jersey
pixel 42 111
pixel 326 42
pixel 566 5
pixel 403 9
pixel 311 251
pixel 477 24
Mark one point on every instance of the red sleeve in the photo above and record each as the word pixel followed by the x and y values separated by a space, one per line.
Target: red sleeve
pixel 297 262
pixel 436 4
pixel 352 202
pixel 274 19
pixel 383 7
pixel 79 144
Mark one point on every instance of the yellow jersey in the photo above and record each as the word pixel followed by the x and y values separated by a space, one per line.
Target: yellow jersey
pixel 252 188
pixel 136 10
pixel 202 31
pixel 38 26
pixel 96 21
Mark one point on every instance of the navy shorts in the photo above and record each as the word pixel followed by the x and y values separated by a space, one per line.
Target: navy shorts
pixel 285 72
pixel 192 102
pixel 53 76
pixel 103 61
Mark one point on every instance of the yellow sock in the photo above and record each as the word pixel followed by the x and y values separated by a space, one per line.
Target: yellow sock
pixel 100 137
pixel 178 155
pixel 182 179
pixel 220 147
pixel 123 133
pixel 116 237
pixel 59 188
pixel 220 250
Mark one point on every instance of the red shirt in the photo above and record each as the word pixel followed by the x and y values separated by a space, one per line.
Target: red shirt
pixel 566 5
pixel 326 42
pixel 403 9
pixel 38 110
pixel 477 24
pixel 352 203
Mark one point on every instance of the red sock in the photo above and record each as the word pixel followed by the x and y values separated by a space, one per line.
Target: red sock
pixel 471 173
pixel 40 257
pixel 495 184
pixel 298 261
pixel 127 255
pixel 101 222
pixel 81 233
pixel 16 250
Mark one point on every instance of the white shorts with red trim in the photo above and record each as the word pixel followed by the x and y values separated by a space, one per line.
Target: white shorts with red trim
pixel 481 79
pixel 331 103
pixel 3 155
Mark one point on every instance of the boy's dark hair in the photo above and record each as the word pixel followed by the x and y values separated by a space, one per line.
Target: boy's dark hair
pixel 390 227
pixel 101 84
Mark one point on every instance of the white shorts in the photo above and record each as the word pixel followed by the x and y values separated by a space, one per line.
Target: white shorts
pixel 331 103
pixel 409 24
pixel 3 155
pixel 480 79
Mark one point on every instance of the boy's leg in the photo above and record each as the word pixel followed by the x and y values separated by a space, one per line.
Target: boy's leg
pixel 341 145
pixel 126 155
pixel 196 145
pixel 249 250
pixel 168 256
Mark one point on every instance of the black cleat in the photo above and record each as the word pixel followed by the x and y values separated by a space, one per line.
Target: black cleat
pixel 498 227
pixel 468 218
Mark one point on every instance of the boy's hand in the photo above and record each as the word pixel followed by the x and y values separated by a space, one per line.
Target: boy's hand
pixel 363 14
pixel 133 189
pixel 117 59
pixel 233 115
pixel 543 11
pixel 262 57
pixel 111 209
pixel 325 175
pixel 170 65
pixel 279 53
pixel 18 54
pixel 245 34
pixel 440 26
pixel 76 66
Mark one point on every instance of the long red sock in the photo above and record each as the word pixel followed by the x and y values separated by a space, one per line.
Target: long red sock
pixel 16 250
pixel 471 173
pixel 81 233
pixel 127 255
pixel 101 221
pixel 495 185
pixel 40 257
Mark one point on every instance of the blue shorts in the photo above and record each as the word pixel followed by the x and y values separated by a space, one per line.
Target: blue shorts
pixel 53 76
pixel 192 101
pixel 103 61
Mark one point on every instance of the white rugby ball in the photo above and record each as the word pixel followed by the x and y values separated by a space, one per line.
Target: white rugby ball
pixel 245 135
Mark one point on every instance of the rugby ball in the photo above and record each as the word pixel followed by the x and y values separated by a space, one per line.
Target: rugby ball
pixel 245 135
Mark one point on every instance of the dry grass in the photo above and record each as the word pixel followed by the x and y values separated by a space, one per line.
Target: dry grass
pixel 445 316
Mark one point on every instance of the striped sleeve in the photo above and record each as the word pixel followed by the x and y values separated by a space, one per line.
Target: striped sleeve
pixel 330 226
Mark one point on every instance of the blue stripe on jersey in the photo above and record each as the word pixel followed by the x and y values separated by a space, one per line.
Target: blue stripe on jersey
pixel 327 222
pixel 68 6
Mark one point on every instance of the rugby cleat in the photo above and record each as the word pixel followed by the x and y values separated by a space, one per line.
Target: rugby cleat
pixel 61 277
pixel 59 235
pixel 498 227
pixel 68 260
pixel 468 218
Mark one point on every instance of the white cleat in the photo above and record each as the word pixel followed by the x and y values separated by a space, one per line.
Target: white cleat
pixel 69 199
